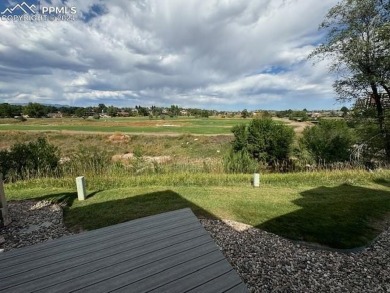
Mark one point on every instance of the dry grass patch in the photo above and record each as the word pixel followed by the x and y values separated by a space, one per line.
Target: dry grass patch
pixel 118 138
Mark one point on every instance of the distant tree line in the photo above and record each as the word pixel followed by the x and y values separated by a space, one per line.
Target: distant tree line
pixel 37 110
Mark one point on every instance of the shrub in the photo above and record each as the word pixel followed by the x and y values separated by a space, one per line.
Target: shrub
pixel 264 140
pixel 240 142
pixel 29 159
pixel 5 163
pixel 371 141
pixel 329 141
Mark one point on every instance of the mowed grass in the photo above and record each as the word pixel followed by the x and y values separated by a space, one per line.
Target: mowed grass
pixel 138 125
pixel 343 209
pixel 141 125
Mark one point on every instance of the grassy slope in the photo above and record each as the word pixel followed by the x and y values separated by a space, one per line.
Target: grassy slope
pixel 292 205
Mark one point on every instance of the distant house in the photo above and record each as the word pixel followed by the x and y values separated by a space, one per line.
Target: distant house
pixel 55 115
pixel 315 115
pixel 123 114
pixel 89 113
pixel 369 101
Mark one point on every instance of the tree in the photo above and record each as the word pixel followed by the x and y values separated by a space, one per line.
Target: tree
pixel 80 112
pixel 329 140
pixel 5 110
pixel 283 114
pixel 112 111
pixel 67 111
pixel 174 111
pixel 156 111
pixel 142 111
pixel 102 108
pixel 358 43
pixel 244 114
pixel 298 115
pixel 345 111
pixel 264 139
pixel 34 110
pixel 205 114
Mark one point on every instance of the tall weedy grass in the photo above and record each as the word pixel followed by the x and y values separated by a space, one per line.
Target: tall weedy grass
pixel 101 172
pixel 88 161
pixel 302 179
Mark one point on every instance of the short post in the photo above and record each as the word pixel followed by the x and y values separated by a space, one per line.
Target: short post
pixel 256 180
pixel 4 216
pixel 81 191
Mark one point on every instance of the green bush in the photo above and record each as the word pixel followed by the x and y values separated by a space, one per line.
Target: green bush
pixel 5 163
pixel 240 142
pixel 329 141
pixel 264 140
pixel 261 143
pixel 29 160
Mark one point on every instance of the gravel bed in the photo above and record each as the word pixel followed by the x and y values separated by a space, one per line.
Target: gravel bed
pixel 265 262
pixel 269 263
pixel 32 222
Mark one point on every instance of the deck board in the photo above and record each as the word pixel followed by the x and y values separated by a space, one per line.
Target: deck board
pixel 170 252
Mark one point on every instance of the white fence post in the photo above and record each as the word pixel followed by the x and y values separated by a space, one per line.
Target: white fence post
pixel 256 180
pixel 81 190
pixel 6 219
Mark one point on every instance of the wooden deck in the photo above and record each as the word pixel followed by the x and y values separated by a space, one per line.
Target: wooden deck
pixel 170 252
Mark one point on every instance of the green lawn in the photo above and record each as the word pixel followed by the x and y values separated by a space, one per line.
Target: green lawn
pixel 206 126
pixel 331 212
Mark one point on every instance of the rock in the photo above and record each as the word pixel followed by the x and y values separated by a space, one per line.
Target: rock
pixel 266 262
pixel 126 158
pixel 118 138
pixel 33 222
pixel 269 263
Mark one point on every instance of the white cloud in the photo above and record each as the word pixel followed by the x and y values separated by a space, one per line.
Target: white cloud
pixel 213 53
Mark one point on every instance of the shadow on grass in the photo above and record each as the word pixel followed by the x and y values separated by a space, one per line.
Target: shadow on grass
pixel 116 211
pixel 64 198
pixel 339 217
pixel 383 181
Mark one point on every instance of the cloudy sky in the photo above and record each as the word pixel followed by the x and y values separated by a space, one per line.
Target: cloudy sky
pixel 215 54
